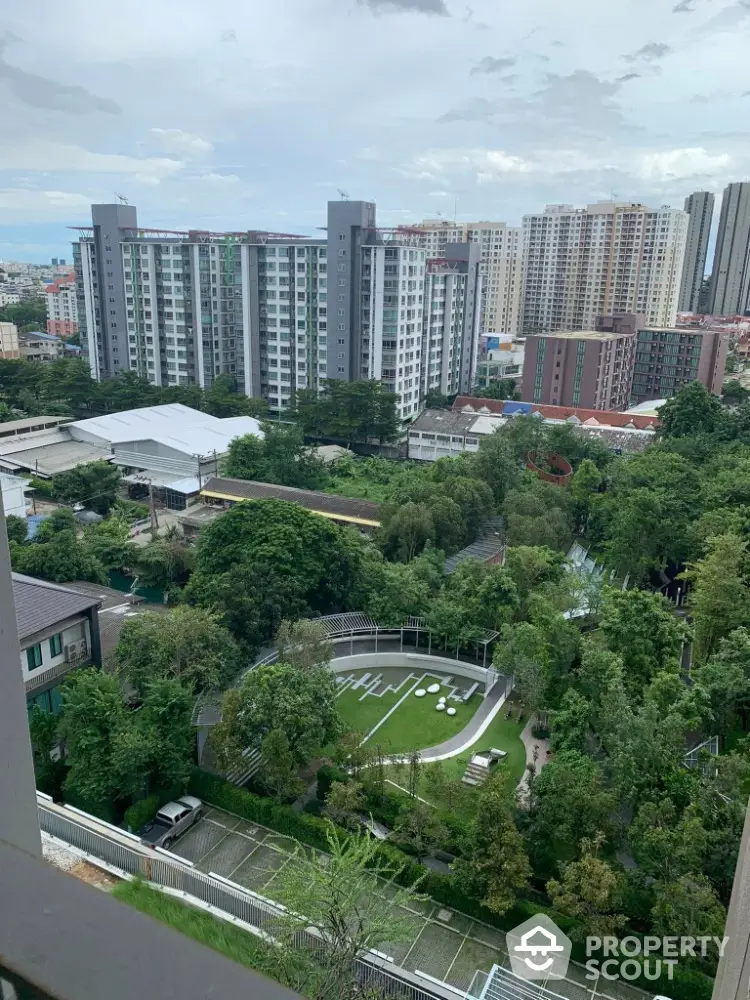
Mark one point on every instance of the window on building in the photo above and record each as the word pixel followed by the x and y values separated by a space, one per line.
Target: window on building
pixel 56 645
pixel 34 657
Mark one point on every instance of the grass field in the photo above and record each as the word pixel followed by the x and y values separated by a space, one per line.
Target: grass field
pixel 414 725
pixel 502 734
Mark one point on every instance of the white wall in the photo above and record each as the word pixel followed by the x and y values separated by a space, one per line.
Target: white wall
pixel 416 662
pixel 14 498
pixel 73 633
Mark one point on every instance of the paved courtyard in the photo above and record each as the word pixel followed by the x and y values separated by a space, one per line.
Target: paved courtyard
pixel 445 944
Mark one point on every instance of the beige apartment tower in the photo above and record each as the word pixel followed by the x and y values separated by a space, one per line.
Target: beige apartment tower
pixel 501 267
pixel 604 259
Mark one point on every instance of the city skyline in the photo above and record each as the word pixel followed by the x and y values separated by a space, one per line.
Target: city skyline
pixel 260 116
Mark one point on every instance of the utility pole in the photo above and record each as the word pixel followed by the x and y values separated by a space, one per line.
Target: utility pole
pixel 152 510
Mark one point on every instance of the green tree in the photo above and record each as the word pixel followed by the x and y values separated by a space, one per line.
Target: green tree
pixel 571 723
pixel 493 866
pixel 569 802
pixel 94 485
pixel 353 754
pixel 224 399
pixel 405 531
pixel 643 630
pixel 504 388
pixel 588 892
pixel 419 828
pixel 690 907
pixel 43 729
pixel 278 538
pixel 345 803
pixel 303 644
pixel 29 315
pixel 534 569
pixel 279 768
pixel 92 721
pixel 343 898
pixel 188 643
pixel 584 486
pixel 496 464
pixel 166 561
pixel 719 599
pixel 300 703
pixel 165 720
pixel 109 543
pixel 17 528
pixel 725 678
pixel 692 410
pixel 58 556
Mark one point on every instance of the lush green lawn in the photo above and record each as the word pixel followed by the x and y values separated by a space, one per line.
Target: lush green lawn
pixel 223 937
pixel 416 724
pixel 502 734
pixel 361 716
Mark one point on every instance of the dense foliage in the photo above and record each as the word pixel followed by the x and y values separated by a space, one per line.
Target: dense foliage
pixel 65 388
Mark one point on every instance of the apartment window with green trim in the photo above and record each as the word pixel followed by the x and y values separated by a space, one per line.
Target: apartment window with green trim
pixel 34 657
pixel 56 645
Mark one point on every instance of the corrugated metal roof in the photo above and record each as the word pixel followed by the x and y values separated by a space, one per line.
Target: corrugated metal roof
pixel 321 503
pixel 173 425
pixel 491 544
pixel 40 604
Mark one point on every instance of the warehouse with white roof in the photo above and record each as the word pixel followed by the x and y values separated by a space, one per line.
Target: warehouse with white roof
pixel 172 447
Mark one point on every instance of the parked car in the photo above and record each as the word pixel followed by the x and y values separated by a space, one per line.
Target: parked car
pixel 171 820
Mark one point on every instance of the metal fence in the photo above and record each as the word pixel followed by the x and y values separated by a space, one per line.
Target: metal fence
pixel 175 873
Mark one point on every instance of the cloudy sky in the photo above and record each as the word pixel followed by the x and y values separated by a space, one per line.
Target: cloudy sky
pixel 251 114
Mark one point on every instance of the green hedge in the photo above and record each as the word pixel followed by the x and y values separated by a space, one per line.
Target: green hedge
pixel 444 889
pixel 144 810
pixel 141 813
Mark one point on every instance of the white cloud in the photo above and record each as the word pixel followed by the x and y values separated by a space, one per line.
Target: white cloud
pixel 174 140
pixel 47 155
pixel 683 163
pixel 36 205
pixel 214 178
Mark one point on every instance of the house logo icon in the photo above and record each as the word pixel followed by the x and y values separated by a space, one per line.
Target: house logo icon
pixel 538 949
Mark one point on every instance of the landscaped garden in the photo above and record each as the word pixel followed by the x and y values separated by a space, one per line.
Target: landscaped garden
pixel 404 720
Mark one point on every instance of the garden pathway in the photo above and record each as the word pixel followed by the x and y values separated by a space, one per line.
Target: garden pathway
pixel 477 725
pixel 530 741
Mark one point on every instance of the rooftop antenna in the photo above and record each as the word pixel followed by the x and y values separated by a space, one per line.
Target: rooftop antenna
pixel 121 199
pixel 343 194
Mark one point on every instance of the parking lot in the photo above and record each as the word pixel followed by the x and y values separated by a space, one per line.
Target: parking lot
pixel 445 944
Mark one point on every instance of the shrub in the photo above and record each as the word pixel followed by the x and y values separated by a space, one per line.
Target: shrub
pixel 141 813
pixel 327 774
pixel 144 810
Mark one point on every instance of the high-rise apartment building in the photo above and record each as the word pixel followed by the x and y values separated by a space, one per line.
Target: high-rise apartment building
pixel 590 369
pixel 451 327
pixel 62 306
pixel 276 312
pixel 603 259
pixel 501 266
pixel 700 209
pixel 730 277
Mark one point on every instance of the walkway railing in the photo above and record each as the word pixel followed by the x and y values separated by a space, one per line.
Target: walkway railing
pixel 171 872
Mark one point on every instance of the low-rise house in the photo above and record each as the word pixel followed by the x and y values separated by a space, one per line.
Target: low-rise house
pixel 58 631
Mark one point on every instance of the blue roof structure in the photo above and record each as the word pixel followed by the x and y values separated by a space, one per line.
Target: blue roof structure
pixel 511 408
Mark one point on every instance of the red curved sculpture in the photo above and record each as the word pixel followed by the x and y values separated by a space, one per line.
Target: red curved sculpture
pixel 563 470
